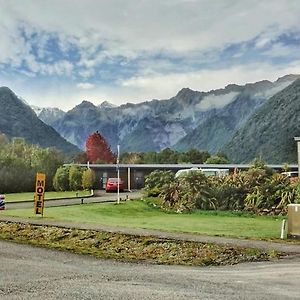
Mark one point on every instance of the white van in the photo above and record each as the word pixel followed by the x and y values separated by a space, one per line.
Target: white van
pixel 207 172
pixel 290 174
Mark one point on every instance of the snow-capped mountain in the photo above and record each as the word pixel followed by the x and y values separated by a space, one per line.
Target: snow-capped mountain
pixel 106 105
pixel 48 115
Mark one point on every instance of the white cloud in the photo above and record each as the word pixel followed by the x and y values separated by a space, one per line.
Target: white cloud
pixel 216 101
pixel 166 86
pixel 85 85
pixel 64 95
pixel 282 50
pixel 128 27
pixel 156 33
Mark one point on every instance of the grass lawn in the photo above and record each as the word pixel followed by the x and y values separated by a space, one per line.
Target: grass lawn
pixel 48 195
pixel 139 214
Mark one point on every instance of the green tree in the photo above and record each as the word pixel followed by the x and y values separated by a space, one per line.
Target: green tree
pixel 131 158
pixel 149 157
pixel 168 156
pixel 88 179
pixel 46 161
pixel 216 160
pixel 19 163
pixel 61 179
pixel 195 156
pixel 75 178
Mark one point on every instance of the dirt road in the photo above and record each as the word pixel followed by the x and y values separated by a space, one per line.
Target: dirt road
pixel 33 273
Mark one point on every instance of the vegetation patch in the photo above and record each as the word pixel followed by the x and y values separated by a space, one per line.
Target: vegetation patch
pixel 132 247
pixel 258 190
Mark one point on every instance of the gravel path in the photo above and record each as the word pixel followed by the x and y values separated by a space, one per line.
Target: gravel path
pixel 29 272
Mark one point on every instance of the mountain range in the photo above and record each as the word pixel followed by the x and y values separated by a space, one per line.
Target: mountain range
pixel 191 119
pixel 231 120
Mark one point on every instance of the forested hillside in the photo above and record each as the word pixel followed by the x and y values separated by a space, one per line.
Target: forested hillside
pixel 18 120
pixel 270 132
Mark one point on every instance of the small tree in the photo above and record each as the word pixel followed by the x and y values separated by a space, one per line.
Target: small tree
pixel 219 158
pixel 88 179
pixel 61 179
pixel 195 156
pixel 75 178
pixel 97 149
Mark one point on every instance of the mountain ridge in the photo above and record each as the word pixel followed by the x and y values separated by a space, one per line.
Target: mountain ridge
pixel 270 131
pixel 173 122
pixel 17 119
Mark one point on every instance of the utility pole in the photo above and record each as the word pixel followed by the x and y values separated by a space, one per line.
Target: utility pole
pixel 118 172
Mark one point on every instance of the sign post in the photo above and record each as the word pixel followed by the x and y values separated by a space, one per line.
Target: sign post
pixel 39 193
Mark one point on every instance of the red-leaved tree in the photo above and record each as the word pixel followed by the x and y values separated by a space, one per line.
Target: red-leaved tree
pixel 98 150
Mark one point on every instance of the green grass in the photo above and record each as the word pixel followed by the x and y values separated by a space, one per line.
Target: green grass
pixel 48 195
pixel 139 214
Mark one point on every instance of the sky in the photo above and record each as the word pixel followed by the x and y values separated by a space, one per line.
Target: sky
pixel 57 53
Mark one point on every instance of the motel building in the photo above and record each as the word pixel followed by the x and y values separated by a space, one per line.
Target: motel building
pixel 134 174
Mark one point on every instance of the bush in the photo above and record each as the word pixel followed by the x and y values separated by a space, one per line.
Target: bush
pixel 61 179
pixel 229 191
pixel 188 192
pixel 156 180
pixel 88 179
pixel 75 178
pixel 258 190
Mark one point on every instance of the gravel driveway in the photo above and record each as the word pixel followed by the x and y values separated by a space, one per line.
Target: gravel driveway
pixel 29 272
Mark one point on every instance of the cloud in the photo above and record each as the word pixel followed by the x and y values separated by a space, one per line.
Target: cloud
pixel 130 27
pixel 136 89
pixel 136 50
pixel 85 85
pixel 166 86
pixel 216 101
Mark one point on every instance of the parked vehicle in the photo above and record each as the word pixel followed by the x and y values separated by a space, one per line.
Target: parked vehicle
pixel 207 172
pixel 112 184
pixel 292 174
pixel 2 202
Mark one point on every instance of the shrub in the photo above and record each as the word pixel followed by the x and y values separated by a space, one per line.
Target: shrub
pixel 229 191
pixel 259 190
pixel 188 192
pixel 156 180
pixel 88 179
pixel 75 178
pixel 274 194
pixel 61 179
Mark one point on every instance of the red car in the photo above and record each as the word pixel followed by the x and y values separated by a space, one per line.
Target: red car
pixel 112 185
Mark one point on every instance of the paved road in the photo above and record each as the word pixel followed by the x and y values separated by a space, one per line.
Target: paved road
pixel 101 197
pixel 29 272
